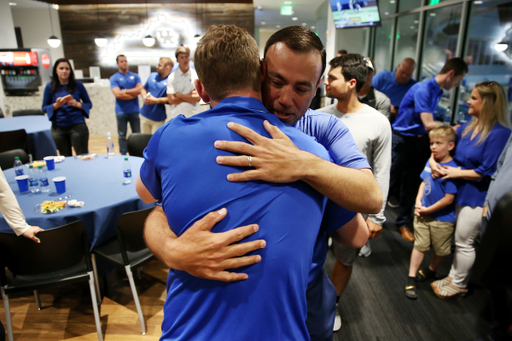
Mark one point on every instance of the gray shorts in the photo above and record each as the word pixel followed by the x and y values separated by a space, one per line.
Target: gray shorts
pixel 344 254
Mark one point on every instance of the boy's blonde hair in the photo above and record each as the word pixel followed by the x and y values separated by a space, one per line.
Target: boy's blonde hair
pixel 446 132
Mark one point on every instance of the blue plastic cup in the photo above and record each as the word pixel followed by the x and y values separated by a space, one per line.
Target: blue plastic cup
pixel 22 182
pixel 50 162
pixel 60 184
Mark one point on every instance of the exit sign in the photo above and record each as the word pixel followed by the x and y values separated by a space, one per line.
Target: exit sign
pixel 433 2
pixel 286 10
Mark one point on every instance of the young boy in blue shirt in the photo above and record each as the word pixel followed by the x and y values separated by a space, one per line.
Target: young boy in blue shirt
pixel 434 214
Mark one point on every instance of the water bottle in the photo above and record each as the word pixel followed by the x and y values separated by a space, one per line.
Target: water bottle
pixel 33 183
pixel 127 171
pixel 43 180
pixel 448 114
pixel 110 146
pixel 18 166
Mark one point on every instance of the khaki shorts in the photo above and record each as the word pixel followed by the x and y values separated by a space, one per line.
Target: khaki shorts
pixel 346 255
pixel 428 231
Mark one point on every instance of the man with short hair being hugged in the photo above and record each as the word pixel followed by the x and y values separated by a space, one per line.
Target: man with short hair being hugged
pixel 154 92
pixel 434 214
pixel 181 91
pixel 190 184
pixel 126 86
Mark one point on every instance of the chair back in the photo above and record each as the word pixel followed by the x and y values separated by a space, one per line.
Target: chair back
pixel 60 248
pixel 14 139
pixel 137 143
pixel 130 231
pixel 7 158
pixel 28 112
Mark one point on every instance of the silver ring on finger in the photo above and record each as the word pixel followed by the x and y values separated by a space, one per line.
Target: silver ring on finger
pixel 249 159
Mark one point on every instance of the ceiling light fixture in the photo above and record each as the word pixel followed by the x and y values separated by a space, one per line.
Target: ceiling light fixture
pixel 53 41
pixel 13 4
pixel 295 18
pixel 501 46
pixel 148 40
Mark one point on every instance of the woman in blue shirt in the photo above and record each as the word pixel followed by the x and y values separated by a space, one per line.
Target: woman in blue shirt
pixel 479 144
pixel 67 104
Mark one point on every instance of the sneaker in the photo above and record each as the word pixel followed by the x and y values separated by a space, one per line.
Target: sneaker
pixel 366 250
pixel 337 320
pixel 410 288
pixel 393 202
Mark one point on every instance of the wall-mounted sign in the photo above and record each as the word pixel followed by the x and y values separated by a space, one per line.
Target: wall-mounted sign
pixel 45 59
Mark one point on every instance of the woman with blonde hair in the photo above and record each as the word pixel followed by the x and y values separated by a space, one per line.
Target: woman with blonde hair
pixel 479 144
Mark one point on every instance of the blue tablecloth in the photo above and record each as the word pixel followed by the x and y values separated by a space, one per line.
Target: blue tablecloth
pixel 97 182
pixel 38 129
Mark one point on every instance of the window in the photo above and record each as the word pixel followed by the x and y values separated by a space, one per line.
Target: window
pixel 406 37
pixel 406 5
pixel 382 46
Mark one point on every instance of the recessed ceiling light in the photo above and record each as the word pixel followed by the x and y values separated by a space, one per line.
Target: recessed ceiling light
pixel 478 2
pixel 55 7
pixel 278 26
pixel 13 4
pixel 391 1
pixel 433 14
pixel 304 24
pixel 416 21
pixel 313 27
pixel 287 2
pixel 263 23
pixel 386 13
pixel 295 18
pixel 413 27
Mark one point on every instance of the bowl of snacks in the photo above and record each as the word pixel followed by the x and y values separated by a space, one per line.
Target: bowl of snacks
pixel 50 206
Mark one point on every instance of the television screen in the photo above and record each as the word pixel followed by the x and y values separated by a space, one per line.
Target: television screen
pixel 355 13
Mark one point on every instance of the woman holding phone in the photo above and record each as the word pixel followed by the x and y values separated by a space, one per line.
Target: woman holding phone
pixel 67 104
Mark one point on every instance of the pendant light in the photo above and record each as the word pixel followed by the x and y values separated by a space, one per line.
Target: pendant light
pixel 53 41
pixel 101 41
pixel 148 40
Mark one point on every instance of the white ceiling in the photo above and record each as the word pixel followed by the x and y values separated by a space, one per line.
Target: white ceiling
pixel 270 14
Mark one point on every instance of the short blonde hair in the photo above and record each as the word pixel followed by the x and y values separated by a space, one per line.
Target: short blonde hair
pixel 227 59
pixel 445 132
pixel 494 110
pixel 167 61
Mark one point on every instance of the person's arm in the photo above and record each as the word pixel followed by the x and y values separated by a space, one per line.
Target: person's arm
pixel 200 252
pixel 122 94
pixel 353 234
pixel 150 100
pixel 279 160
pixel 134 91
pixel 85 105
pixel 143 192
pixel 457 172
pixel 445 201
pixel 48 105
pixel 143 92
pixel 192 97
pixel 173 99
pixel 428 121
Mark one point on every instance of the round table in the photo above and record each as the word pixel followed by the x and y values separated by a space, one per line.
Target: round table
pixel 97 182
pixel 38 129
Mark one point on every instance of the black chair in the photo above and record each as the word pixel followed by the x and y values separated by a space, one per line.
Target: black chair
pixel 29 112
pixel 137 143
pixel 61 257
pixel 14 139
pixel 128 250
pixel 7 158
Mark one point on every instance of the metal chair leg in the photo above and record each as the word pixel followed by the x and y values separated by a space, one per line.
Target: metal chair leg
pixel 96 282
pixel 136 299
pixel 95 309
pixel 38 300
pixel 8 322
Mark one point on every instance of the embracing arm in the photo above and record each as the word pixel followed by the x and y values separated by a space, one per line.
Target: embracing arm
pixel 200 252
pixel 279 160
pixel 457 172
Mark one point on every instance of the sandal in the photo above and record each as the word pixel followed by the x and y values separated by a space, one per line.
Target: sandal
pixel 425 274
pixel 410 289
pixel 449 291
pixel 440 283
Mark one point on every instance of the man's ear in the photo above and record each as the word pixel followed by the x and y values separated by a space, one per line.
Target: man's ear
pixel 352 83
pixel 201 91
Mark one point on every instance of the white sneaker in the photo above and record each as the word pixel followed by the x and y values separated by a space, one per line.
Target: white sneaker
pixel 337 320
pixel 366 250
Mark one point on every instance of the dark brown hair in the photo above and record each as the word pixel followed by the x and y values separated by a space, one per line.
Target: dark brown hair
pixel 456 64
pixel 353 66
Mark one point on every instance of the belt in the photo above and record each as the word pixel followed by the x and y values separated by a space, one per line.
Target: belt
pixel 410 137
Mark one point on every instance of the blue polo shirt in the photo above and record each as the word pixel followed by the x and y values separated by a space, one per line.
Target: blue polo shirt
pixel 421 97
pixel 128 81
pixel 66 115
pixel 180 169
pixel 385 82
pixel 158 88
pixel 435 190
pixel 482 158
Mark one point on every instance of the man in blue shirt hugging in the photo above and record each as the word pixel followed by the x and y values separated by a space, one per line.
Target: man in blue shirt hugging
pixel 180 169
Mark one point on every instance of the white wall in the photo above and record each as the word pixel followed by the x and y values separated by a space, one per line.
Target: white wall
pixel 7 37
pixel 264 34
pixel 36 28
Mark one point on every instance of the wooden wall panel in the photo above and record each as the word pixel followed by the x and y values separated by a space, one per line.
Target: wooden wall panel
pixel 125 25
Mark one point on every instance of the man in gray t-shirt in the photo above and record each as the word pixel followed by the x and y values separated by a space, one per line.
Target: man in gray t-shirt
pixel 372 134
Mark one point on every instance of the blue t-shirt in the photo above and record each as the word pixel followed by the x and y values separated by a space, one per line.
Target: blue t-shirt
pixel 435 189
pixel 421 97
pixel 66 115
pixel 180 169
pixel 158 88
pixel 128 81
pixel 385 82
pixel 482 158
pixel 334 135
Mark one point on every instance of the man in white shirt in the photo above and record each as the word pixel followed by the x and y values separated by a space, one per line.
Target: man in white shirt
pixel 181 92
pixel 372 134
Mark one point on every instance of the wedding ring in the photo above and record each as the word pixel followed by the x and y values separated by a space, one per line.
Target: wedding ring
pixel 249 159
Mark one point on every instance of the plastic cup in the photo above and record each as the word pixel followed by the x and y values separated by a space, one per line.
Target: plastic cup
pixel 50 162
pixel 22 182
pixel 60 184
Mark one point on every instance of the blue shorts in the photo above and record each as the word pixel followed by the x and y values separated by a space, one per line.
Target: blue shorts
pixel 321 298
